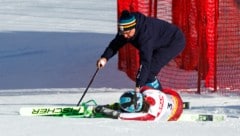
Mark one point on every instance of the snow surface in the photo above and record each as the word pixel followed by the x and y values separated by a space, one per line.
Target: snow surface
pixel 48 53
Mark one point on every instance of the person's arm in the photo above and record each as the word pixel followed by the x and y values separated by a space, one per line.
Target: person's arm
pixel 118 42
pixel 145 64
pixel 111 50
pixel 136 116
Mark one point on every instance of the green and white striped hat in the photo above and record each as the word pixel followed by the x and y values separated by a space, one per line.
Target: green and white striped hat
pixel 127 21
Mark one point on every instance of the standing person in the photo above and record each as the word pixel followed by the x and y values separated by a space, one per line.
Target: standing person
pixel 158 42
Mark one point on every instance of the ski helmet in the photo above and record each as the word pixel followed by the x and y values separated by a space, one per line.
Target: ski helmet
pixel 127 102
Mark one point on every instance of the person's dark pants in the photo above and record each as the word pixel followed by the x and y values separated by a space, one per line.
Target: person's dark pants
pixel 162 56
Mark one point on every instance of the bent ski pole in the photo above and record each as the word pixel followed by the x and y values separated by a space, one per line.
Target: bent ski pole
pixel 87 87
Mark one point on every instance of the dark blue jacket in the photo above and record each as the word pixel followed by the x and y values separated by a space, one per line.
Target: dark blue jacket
pixel 151 34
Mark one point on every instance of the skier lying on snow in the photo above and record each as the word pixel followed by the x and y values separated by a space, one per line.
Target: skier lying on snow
pixel 147 105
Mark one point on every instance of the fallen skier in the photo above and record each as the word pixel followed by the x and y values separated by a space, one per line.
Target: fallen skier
pixel 147 105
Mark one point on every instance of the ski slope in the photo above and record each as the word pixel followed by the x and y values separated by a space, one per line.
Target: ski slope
pixel 48 54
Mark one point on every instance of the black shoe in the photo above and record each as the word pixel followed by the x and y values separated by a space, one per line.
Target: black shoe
pixel 107 112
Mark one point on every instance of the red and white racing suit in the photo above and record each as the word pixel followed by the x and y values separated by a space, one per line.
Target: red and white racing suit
pixel 165 105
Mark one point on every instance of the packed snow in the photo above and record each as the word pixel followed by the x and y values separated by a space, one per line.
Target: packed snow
pixel 48 55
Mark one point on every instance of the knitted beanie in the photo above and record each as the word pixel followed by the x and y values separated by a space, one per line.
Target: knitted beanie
pixel 127 21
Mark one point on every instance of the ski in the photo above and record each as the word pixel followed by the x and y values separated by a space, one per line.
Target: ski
pixel 80 111
pixel 85 110
pixel 189 116
pixel 195 117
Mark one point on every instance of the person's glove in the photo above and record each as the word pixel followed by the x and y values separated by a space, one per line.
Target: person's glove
pixel 101 62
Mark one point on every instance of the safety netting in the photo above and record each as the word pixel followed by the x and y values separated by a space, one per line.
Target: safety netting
pixel 211 59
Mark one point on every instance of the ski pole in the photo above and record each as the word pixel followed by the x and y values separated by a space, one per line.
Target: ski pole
pixel 87 87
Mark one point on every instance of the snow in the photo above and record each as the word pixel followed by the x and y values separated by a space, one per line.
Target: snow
pixel 47 57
